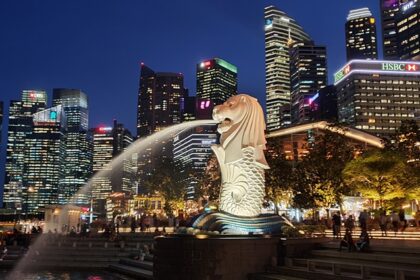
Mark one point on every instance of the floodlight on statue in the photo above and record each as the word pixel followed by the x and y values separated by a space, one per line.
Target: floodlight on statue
pixel 242 164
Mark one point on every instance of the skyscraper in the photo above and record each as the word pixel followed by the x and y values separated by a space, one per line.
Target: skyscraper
pixel 159 99
pixel 308 74
pixel 389 8
pixel 217 80
pixel 43 159
pixel 361 42
pixel 78 145
pixel 103 150
pixel 123 179
pixel 408 30
pixel 280 30
pixel 20 127
pixel 159 106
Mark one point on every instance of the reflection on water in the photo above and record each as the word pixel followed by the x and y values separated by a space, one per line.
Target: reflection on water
pixel 48 275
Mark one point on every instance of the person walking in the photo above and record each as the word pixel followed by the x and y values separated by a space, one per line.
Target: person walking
pixel 395 220
pixel 383 222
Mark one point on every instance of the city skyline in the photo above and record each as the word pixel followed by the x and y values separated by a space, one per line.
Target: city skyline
pixel 43 65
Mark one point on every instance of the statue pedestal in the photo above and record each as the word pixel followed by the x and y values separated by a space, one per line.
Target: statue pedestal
pixel 183 257
pixel 229 224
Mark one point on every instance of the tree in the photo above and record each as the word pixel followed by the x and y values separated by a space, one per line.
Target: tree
pixel 379 175
pixel 406 141
pixel 166 181
pixel 278 178
pixel 210 182
pixel 317 178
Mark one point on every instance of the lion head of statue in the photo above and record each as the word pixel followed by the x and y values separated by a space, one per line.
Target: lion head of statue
pixel 241 125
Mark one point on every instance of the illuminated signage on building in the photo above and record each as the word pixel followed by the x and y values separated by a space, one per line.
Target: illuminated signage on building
pixel 204 104
pixel 104 129
pixel 377 67
pixel 407 6
pixel 205 64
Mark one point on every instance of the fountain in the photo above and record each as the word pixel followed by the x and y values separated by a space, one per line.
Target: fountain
pixel 245 245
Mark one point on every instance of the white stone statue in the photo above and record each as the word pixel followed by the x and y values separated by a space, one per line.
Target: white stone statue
pixel 241 155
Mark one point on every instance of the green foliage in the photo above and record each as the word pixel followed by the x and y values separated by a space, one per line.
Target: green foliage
pixel 168 182
pixel 317 180
pixel 279 177
pixel 210 182
pixel 379 175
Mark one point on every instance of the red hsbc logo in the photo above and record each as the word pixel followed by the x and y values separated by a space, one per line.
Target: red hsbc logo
pixel 411 67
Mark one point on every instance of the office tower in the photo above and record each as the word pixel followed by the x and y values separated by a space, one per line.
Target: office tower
pixel 389 8
pixel 408 30
pixel 78 145
pixel 123 175
pixel 308 74
pixel 217 80
pixel 103 150
pixel 188 104
pixel 192 149
pixel 377 96
pixel 43 160
pixel 361 40
pixel 20 127
pixel 159 100
pixel 280 31
pixel 324 104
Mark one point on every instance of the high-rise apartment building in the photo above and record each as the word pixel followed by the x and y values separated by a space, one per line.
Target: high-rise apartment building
pixel 43 160
pixel 408 30
pixel 78 145
pixel 280 31
pixel 361 42
pixel 377 96
pixel 20 127
pixel 308 74
pixel 217 80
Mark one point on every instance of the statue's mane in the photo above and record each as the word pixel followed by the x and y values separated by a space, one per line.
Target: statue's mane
pixel 249 132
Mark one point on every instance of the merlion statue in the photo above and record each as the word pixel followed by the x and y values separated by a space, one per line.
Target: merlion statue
pixel 241 155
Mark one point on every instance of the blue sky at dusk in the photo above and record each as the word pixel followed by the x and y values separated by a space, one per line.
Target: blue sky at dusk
pixel 97 45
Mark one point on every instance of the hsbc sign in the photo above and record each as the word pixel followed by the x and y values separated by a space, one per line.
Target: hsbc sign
pixel 400 67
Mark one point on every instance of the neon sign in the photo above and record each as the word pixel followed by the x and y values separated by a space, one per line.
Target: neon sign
pixel 408 6
pixel 340 74
pixel 399 67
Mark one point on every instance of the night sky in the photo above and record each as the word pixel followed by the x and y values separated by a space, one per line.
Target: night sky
pixel 97 45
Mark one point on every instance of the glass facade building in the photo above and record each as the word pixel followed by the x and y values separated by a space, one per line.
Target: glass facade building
pixel 44 159
pixel 217 80
pixel 361 42
pixel 408 30
pixel 19 129
pixel 78 145
pixel 376 96
pixel 308 74
pixel 280 31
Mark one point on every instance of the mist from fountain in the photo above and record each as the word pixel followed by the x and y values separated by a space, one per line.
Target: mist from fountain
pixel 138 147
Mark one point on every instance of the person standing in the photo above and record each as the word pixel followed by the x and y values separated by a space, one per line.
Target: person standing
pixel 350 224
pixel 403 221
pixel 363 219
pixel 395 220
pixel 337 225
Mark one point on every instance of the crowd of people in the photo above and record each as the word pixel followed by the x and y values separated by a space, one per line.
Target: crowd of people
pixel 395 221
